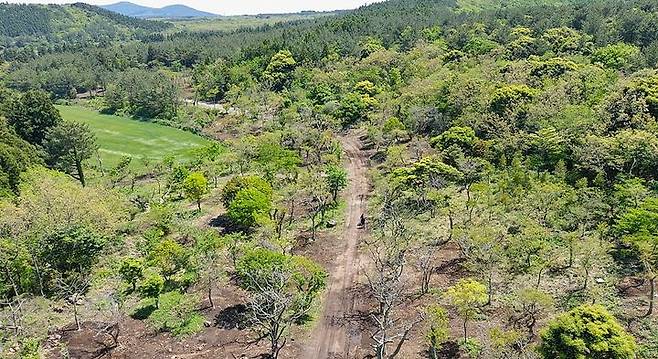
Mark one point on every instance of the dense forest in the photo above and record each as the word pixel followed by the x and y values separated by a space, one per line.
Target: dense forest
pixel 411 179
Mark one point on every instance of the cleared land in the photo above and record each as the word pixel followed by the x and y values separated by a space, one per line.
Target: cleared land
pixel 231 23
pixel 121 136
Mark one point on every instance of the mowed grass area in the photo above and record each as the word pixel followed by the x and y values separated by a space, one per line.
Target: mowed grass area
pixel 121 136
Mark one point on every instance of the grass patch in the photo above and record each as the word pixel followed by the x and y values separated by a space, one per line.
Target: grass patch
pixel 121 136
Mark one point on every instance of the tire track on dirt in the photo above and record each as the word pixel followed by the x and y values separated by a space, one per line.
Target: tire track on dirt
pixel 335 335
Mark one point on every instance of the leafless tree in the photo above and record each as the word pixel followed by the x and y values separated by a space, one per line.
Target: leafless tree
pixel 275 307
pixel 12 315
pixel 73 288
pixel 386 283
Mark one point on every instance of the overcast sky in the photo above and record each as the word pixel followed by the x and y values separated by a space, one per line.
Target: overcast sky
pixel 233 7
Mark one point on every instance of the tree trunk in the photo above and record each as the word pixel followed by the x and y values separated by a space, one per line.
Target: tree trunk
pixel 75 312
pixel 652 292
pixel 212 304
pixel 81 174
pixel 465 337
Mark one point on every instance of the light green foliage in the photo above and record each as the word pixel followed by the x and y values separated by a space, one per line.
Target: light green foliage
pixel 249 206
pixel 462 137
pixel 336 180
pixel 616 56
pixel 131 270
pixel 588 331
pixel 195 187
pixel 151 285
pixel 522 43
pixel 639 228
pixel 120 136
pixel 177 314
pixel 565 40
pixel 238 183
pixel 365 88
pixel 282 290
pixel 508 98
pixel 427 172
pixel 278 71
pixel 553 68
pixel 370 45
pixel 169 256
pixel 467 297
pixel 275 159
pixel 354 107
pixel 439 329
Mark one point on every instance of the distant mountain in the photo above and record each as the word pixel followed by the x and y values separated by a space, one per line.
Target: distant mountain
pixel 167 12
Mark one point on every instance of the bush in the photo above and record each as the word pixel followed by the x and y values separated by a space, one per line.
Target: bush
pixel 249 205
pixel 587 331
pixel 177 314
pixel 236 184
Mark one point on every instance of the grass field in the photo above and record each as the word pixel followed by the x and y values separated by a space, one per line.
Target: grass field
pixel 230 23
pixel 121 136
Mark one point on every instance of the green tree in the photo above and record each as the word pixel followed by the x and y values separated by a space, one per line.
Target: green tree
pixel 195 187
pixel 68 145
pixel 177 314
pixel 467 297
pixel 587 331
pixel 439 329
pixel 131 270
pixel 169 256
pixel 238 183
pixel 278 73
pixel 336 179
pixel 282 290
pixel 639 228
pixel 16 155
pixel 32 115
pixel 249 206
pixel 616 56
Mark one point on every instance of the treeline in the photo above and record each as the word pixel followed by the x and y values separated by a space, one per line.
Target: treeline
pixel 29 31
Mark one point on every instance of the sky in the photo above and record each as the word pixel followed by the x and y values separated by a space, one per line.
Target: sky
pixel 232 7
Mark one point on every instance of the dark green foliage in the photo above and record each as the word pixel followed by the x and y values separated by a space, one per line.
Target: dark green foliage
pixel 72 249
pixel 32 115
pixel 68 145
pixel 15 156
pixel 144 94
pixel 588 331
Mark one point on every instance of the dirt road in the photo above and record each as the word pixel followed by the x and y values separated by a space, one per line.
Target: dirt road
pixel 335 335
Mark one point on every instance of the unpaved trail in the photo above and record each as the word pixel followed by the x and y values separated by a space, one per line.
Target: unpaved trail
pixel 335 335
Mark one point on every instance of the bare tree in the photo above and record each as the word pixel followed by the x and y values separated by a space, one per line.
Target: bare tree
pixel 282 290
pixel 73 288
pixel 12 315
pixel 386 282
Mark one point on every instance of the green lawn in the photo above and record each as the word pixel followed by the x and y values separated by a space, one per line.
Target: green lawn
pixel 122 136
